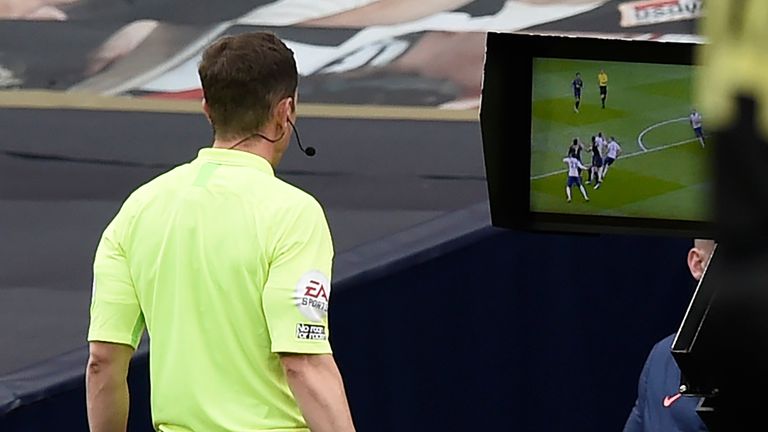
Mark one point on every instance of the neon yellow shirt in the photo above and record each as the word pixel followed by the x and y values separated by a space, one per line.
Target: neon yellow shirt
pixel 602 78
pixel 227 266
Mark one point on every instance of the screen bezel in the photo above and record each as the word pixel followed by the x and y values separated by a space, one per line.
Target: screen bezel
pixel 508 72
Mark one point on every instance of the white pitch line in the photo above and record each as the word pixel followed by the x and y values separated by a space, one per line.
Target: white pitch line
pixel 654 126
pixel 631 155
pixel 664 147
pixel 541 176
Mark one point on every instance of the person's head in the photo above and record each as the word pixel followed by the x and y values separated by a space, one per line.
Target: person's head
pixel 250 86
pixel 578 75
pixel 602 71
pixel 613 138
pixel 698 257
pixel 593 139
pixel 575 142
pixel 600 134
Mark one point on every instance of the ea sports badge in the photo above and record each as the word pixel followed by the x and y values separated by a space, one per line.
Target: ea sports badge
pixel 312 294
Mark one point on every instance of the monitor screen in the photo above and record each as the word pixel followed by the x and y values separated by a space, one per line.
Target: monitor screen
pixel 617 139
pixel 586 134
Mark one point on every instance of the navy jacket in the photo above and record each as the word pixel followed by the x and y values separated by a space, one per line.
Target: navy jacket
pixel 659 406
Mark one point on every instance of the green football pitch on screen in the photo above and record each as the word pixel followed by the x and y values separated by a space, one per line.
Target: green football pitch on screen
pixel 662 171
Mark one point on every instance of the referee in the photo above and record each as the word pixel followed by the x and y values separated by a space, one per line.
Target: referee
pixel 602 81
pixel 228 269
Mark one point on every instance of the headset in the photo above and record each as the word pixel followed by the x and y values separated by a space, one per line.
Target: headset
pixel 309 151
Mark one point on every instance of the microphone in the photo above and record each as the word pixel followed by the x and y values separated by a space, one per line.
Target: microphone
pixel 309 151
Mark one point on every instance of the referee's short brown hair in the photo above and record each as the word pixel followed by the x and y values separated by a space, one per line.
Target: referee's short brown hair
pixel 243 77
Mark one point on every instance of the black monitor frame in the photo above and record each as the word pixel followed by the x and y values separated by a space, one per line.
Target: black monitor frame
pixel 507 94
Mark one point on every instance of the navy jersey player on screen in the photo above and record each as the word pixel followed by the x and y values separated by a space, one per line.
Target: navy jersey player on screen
pixel 597 163
pixel 577 85
pixel 574 150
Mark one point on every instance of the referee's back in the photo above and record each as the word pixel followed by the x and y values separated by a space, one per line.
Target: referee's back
pixel 207 247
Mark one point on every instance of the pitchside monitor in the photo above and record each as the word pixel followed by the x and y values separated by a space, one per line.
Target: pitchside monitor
pixel 595 135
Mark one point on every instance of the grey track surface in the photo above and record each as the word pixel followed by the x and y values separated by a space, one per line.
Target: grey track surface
pixel 374 178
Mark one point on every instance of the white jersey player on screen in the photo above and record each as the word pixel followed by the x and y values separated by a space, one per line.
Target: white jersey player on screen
pixel 574 179
pixel 612 152
pixel 697 123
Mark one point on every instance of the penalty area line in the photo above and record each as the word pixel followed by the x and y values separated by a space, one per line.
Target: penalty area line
pixel 654 126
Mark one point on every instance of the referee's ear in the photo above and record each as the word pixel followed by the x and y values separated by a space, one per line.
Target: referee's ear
pixel 285 111
pixel 206 110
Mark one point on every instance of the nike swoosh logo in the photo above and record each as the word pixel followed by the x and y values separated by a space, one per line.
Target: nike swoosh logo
pixel 669 400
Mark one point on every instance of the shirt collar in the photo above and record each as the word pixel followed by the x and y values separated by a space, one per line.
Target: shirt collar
pixel 236 158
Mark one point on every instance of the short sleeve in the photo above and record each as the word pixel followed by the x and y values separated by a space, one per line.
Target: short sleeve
pixel 298 289
pixel 115 312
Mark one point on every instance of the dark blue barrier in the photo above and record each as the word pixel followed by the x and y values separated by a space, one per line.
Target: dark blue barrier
pixel 51 396
pixel 454 325
pixel 513 332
